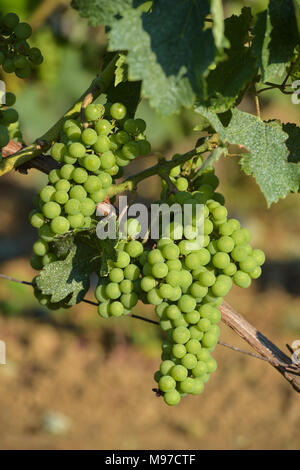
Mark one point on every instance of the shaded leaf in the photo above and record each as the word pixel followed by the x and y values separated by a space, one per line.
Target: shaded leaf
pixel 101 11
pixel 293 141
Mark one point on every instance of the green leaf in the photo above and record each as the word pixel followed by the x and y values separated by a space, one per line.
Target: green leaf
pixel 164 51
pixel 232 76
pixel 70 278
pixel 101 11
pixel 267 157
pixel 216 9
pixel 293 141
pixel 275 37
pixel 121 70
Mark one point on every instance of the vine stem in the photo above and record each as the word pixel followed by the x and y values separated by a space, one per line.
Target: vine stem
pixel 267 350
pixel 99 85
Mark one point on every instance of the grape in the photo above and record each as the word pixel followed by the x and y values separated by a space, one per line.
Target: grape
pixel 129 300
pixel 37 220
pixel 123 259
pixel 221 260
pixel 66 171
pixel 153 297
pixel 61 197
pixel 148 283
pixel 89 137
pixel 91 162
pixel 181 184
pixel 131 150
pixel 132 272
pixel 126 286
pixel 118 111
pixel 112 290
pixel 179 373
pixel 200 369
pixel 239 253
pixel 76 220
pixel 23 31
pixel 47 193
pixel 102 144
pixel 78 192
pixel 51 210
pixel 103 127
pixel 54 176
pixel 80 175
pixel 40 247
pixel 58 150
pixel 186 303
pixel 159 270
pixel 116 275
pixel 105 179
pixel 178 350
pixel 108 160
pixel 259 256
pixel 242 279
pixel 46 233
pixel 116 309
pixel 8 66
pixel 10 115
pixel 103 309
pixel 172 398
pixel 144 147
pixel 225 244
pixel 209 340
pixel 98 196
pixel 248 265
pixel 93 112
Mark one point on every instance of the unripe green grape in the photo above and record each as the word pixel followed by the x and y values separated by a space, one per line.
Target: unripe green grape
pixel 211 365
pixel 148 283
pixel 131 126
pixel 40 247
pixel 78 192
pixel 76 150
pixel 8 66
pixel 174 265
pixel 165 325
pixel 221 288
pixel 180 322
pixel 132 272
pixel 255 274
pixel 176 294
pixel 107 160
pixel 103 309
pixel 204 324
pixel 126 286
pixel 198 386
pixel 123 259
pixel 102 144
pixel 49 258
pixel 46 233
pixel 221 260
pixel 165 291
pixel 178 351
pixel 35 55
pixel 93 112
pixel 187 385
pixel 181 335
pixel 131 150
pixel 66 171
pixel 10 20
pixel 103 127
pixel 91 162
pixel 186 303
pixel 209 340
pixel 238 237
pixel 63 185
pixel 23 30
pixel 87 222
pixel 23 72
pixel 80 175
pixel 186 279
pixel 76 220
pixel 179 373
pixel 116 309
pixel 98 196
pixel 100 293
pixel 239 253
pixel 242 279
pixel 172 312
pixel 219 213
pixel 225 244
pixel 172 398
pixel 200 368
pixel 230 270
pixel 36 262
pixel 47 193
pixel 197 290
pixel 37 220
pixel 159 270
pixel 259 256
pixel 73 133
pixel 155 256
pixel 58 151
pixel 51 210
pixel 87 207
pixel 192 317
pixel 193 347
pixel 248 265
pixel 208 227
pixel 118 111
pixel 153 297
pixel 160 309
pixel 20 61
pixel 195 333
pixel 4 136
pixel 144 147
pixel 121 161
pixel 10 115
pixel 170 252
pixel 61 197
pixel 147 270
pixel 226 228
pixel 54 176
pixel 204 355
pixel 182 184
pixel 116 275
pixel 189 360
pixel 105 179
pixel 112 290
pixel 89 136
pixel 129 300
pixel 166 366
pixel 72 207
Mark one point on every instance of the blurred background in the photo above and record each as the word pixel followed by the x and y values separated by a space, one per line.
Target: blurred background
pixel 75 381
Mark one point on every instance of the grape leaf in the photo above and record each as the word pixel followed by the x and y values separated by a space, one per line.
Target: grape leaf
pixel 71 276
pixel 101 11
pixel 293 141
pixel 275 37
pixel 163 51
pixel 231 76
pixel 267 157
pixel 218 24
pixel 121 70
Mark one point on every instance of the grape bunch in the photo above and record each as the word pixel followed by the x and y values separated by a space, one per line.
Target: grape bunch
pixel 90 159
pixel 16 55
pixel 8 118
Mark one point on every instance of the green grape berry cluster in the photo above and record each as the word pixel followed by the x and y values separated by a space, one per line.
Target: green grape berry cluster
pixel 8 119
pixel 185 283
pixel 90 158
pixel 16 55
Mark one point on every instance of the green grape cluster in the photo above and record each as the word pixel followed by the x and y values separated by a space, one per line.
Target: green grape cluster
pixel 16 55
pixel 90 159
pixel 8 120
